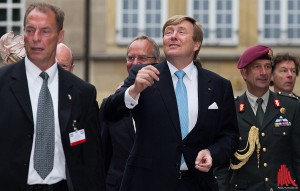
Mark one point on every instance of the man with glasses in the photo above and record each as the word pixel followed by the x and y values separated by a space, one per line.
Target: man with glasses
pixel 118 137
pixel 64 57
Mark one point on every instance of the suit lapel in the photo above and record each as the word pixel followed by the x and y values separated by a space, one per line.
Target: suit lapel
pixel 19 87
pixel 205 89
pixel 66 97
pixel 166 88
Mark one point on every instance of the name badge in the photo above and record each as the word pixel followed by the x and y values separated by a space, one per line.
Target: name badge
pixel 77 137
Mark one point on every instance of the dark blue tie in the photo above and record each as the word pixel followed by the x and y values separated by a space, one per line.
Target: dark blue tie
pixel 182 104
pixel 44 140
pixel 259 111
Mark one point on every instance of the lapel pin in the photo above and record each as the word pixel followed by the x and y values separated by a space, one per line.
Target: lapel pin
pixel 70 97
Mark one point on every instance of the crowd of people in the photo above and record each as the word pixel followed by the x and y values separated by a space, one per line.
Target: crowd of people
pixel 171 125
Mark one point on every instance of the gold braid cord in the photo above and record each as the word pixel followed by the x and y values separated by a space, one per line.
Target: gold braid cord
pixel 253 139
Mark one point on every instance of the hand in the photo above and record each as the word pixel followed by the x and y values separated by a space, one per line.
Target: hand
pixel 144 78
pixel 203 161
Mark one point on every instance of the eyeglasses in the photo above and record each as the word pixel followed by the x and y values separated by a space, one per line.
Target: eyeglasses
pixel 141 58
pixel 65 66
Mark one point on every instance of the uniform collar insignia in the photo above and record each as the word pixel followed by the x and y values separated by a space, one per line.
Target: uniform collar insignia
pixel 242 106
pixel 277 102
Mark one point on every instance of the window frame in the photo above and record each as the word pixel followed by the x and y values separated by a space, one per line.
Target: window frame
pixel 120 40
pixel 9 23
pixel 212 39
pixel 283 39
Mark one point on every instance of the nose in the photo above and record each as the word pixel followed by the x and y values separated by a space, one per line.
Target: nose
pixel 263 70
pixel 290 73
pixel 174 35
pixel 136 61
pixel 36 36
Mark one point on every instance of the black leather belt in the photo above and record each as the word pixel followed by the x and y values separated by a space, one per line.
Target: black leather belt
pixel 184 174
pixel 59 186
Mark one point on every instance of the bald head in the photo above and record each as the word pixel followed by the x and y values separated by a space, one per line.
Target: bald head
pixel 64 57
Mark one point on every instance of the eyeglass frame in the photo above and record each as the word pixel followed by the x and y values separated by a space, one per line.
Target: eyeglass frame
pixel 141 58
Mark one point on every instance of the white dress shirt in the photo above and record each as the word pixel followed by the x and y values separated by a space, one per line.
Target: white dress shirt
pixel 34 85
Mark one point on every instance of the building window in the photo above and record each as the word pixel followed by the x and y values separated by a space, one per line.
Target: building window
pixel 11 16
pixel 219 19
pixel 279 22
pixel 136 17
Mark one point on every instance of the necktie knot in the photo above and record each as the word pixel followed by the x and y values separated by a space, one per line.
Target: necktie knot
pixel 259 101
pixel 180 74
pixel 44 75
pixel 259 111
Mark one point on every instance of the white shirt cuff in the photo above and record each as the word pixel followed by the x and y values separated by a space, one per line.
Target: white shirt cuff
pixel 129 101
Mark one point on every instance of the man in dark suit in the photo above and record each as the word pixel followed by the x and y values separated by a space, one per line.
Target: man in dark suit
pixel 71 158
pixel 118 136
pixel 162 158
pixel 269 154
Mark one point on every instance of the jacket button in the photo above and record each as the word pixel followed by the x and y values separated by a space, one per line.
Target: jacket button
pixel 265 149
pixel 265 164
pixel 263 134
pixel 266 179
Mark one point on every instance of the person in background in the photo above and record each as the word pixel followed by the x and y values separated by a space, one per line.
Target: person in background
pixel 64 57
pixel 285 69
pixel 12 48
pixel 268 157
pixel 49 117
pixel 175 147
pixel 118 136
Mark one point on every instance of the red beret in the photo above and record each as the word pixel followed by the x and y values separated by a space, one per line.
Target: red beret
pixel 254 53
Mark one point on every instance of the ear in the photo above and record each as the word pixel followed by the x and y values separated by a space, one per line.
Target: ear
pixel 61 36
pixel 197 46
pixel 243 72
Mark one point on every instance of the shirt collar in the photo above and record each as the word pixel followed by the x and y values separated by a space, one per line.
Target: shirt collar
pixel 35 71
pixel 252 98
pixel 189 70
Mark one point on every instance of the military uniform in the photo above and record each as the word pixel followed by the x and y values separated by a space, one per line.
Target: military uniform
pixel 289 95
pixel 278 145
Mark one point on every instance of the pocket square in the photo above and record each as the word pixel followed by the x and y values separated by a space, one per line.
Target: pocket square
pixel 213 106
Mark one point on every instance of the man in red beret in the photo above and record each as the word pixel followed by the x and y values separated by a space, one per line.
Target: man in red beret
pixel 269 154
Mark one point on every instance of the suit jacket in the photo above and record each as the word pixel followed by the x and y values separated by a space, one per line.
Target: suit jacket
pixel 117 141
pixel 154 161
pixel 279 144
pixel 77 101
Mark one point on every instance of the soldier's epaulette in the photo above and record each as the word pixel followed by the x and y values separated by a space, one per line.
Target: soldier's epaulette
pixel 291 95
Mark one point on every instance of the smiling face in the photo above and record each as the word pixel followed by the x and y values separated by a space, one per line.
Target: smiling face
pixel 257 76
pixel 284 76
pixel 178 43
pixel 41 37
